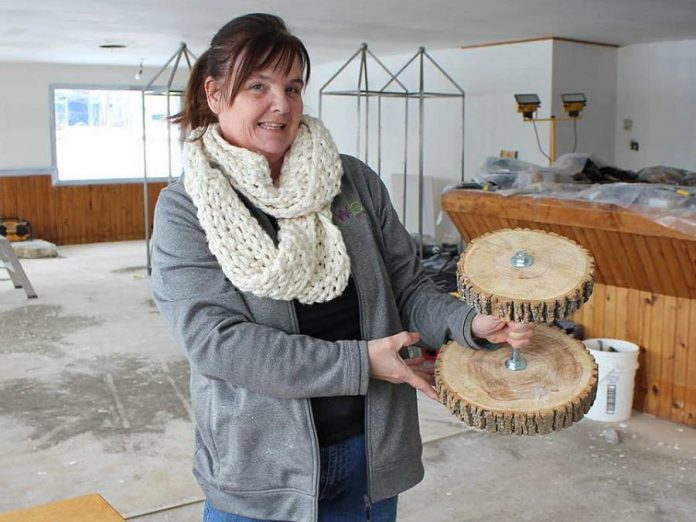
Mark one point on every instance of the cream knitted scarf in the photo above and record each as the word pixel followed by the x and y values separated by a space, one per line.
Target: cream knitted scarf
pixel 310 263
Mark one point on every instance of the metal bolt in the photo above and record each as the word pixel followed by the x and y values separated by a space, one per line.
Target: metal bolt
pixel 521 259
pixel 515 362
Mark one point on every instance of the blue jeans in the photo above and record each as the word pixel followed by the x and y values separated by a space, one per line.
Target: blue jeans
pixel 342 489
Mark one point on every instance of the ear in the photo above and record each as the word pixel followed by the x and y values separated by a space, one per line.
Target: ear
pixel 212 94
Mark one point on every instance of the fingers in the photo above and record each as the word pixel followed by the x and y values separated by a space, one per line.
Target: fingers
pixel 386 364
pixel 428 375
pixel 519 335
pixel 420 384
pixel 414 361
pixel 483 326
pixel 520 327
pixel 405 339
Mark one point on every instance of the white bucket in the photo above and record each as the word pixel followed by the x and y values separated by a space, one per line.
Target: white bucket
pixel 617 361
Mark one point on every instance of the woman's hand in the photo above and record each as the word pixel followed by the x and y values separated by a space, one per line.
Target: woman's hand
pixel 496 330
pixel 386 364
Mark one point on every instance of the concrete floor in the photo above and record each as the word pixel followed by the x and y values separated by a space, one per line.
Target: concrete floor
pixel 94 398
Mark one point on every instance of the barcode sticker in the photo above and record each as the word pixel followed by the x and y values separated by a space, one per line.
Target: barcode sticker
pixel 611 399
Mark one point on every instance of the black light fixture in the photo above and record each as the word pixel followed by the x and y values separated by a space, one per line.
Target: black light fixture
pixel 112 46
pixel 573 103
pixel 527 104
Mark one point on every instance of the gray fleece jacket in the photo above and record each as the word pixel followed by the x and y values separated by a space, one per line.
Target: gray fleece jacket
pixel 256 451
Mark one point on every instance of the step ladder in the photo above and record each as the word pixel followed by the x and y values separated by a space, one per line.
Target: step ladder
pixel 9 259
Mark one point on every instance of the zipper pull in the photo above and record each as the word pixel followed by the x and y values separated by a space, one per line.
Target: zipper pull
pixel 368 508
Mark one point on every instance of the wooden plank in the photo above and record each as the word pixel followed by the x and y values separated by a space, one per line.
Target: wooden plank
pixel 598 310
pixel 621 316
pixel 8 197
pixel 681 340
pixel 666 381
pixel 672 264
pixel 609 319
pixel 612 273
pixel 662 261
pixel 657 281
pixel 690 391
pixel 640 397
pixel 622 269
pixel 632 255
pixel 88 508
pixel 686 259
pixel 588 240
pixel 653 359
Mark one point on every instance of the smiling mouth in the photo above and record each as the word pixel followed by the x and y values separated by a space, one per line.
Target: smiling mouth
pixel 272 126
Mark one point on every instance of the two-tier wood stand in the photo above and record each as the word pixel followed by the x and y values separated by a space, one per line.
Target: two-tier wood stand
pixel 526 276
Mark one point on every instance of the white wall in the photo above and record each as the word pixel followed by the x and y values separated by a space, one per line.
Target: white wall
pixel 490 76
pixel 25 108
pixel 590 69
pixel 656 89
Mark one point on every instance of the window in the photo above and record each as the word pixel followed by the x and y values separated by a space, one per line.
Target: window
pixel 98 134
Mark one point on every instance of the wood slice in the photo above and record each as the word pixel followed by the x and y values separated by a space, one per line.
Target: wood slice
pixel 558 281
pixel 556 389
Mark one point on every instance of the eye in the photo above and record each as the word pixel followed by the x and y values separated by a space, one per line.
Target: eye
pixel 257 87
pixel 293 90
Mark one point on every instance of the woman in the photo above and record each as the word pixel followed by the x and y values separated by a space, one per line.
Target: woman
pixel 285 275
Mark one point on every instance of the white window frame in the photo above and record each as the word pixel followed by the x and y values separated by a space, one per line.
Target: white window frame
pixel 56 180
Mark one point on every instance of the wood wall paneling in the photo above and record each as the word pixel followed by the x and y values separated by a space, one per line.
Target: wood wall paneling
pixel 74 214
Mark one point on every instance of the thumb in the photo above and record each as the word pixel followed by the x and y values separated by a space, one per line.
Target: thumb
pixel 406 338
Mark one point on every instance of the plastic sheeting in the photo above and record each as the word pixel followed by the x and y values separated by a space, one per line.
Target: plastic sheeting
pixel 664 194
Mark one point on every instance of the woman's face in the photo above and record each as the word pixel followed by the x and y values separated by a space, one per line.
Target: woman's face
pixel 265 115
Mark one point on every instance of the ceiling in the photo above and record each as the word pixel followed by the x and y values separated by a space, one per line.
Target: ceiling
pixel 70 31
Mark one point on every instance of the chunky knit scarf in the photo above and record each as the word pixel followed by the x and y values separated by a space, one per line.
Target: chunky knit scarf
pixel 310 263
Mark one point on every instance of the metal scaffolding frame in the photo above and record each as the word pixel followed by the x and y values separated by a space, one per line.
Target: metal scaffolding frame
pixel 166 90
pixel 420 94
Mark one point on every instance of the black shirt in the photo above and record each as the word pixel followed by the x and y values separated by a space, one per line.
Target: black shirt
pixel 340 417
pixel 336 418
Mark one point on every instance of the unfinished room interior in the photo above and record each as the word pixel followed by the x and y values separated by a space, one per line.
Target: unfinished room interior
pixel 526 168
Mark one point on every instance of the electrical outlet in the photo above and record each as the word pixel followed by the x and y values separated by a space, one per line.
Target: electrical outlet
pixel 634 145
pixel 628 124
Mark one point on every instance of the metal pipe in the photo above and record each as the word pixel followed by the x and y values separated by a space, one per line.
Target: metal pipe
pixel 360 73
pixel 146 197
pixel 421 51
pixel 403 216
pixel 340 70
pixel 367 109
pixel 379 136
pixel 176 58
pixel 393 77
pixel 552 153
pixel 462 177
pixel 362 47
pixel 164 67
pixel 443 72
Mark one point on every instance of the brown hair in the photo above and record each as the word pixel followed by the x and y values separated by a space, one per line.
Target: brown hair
pixel 241 47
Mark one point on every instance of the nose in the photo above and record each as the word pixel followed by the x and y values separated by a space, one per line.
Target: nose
pixel 280 102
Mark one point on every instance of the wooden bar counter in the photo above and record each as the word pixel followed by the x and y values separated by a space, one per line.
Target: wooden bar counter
pixel 645 288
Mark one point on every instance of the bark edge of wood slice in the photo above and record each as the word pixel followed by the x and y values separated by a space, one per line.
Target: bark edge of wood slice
pixel 556 389
pixel 555 286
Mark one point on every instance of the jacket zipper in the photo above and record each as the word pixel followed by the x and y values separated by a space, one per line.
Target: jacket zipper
pixel 315 437
pixel 270 229
pixel 363 332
